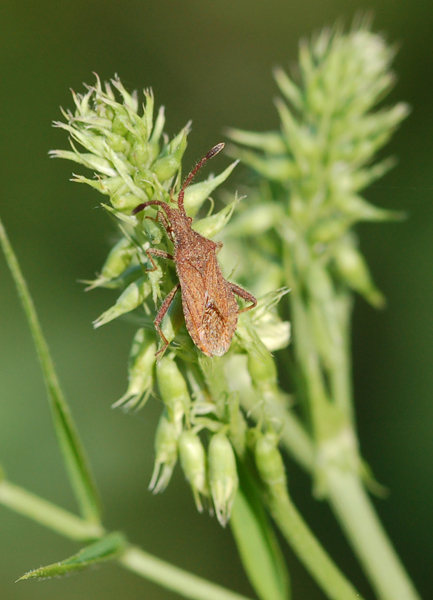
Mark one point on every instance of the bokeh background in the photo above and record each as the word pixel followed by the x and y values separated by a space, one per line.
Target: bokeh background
pixel 210 61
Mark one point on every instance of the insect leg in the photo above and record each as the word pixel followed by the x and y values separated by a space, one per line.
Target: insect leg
pixel 161 314
pixel 157 252
pixel 236 289
pixel 161 217
pixel 142 206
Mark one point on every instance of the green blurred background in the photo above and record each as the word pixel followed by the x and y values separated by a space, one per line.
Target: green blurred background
pixel 211 62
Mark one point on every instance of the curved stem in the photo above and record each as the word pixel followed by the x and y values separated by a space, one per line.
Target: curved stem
pixel 308 549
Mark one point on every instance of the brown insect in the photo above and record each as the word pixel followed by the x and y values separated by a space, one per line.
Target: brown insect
pixel 208 300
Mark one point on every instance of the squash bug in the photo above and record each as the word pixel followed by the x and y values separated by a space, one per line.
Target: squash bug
pixel 208 300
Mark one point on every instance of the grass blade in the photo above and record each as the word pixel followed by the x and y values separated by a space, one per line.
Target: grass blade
pixel 76 462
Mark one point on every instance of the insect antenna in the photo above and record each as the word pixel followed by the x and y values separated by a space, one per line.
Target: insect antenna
pixel 197 167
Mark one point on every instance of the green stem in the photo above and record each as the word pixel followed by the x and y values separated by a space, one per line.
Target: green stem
pixel 333 423
pixel 133 559
pixel 355 512
pixel 173 578
pixel 296 439
pixel 324 418
pixel 308 549
pixel 77 464
pixel 48 514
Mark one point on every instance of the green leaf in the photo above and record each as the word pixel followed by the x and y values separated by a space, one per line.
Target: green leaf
pixel 105 549
pixel 71 447
pixel 256 541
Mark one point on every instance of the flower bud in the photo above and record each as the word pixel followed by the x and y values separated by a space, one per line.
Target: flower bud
pixel 110 186
pixel 118 259
pixel 193 462
pixel 328 230
pixel 130 100
pixel 237 425
pixel 270 142
pixel 223 476
pixel 118 143
pixel 210 226
pixel 139 155
pixel 173 390
pixel 257 219
pixel 354 271
pixel 269 462
pixel 263 373
pixel 120 124
pixel 167 166
pixel 140 371
pixel 276 168
pixel 119 283
pixel 166 454
pixel 356 208
pixel 288 88
pixel 91 161
pixel 125 202
pixel 134 295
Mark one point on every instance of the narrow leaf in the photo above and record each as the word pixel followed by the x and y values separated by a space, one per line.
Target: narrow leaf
pixel 257 544
pixel 71 447
pixel 105 549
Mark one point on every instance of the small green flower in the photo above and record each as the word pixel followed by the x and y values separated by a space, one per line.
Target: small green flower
pixel 118 260
pixel 353 269
pixel 166 445
pixel 141 371
pixel 269 462
pixel 329 133
pixel 223 477
pixel 193 461
pixel 173 390
pixel 134 296
pixel 121 145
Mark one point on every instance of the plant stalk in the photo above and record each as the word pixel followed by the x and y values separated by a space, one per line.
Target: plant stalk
pixel 48 514
pixel 190 586
pixel 75 458
pixel 134 559
pixel 354 511
pixel 310 552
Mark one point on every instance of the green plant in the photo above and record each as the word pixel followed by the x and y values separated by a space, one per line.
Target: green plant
pixel 225 417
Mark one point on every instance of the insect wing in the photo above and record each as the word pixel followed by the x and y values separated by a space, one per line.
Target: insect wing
pixel 209 306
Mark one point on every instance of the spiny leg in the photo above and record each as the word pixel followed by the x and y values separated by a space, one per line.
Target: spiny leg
pixel 161 314
pixel 157 252
pixel 236 289
pixel 161 217
pixel 142 206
